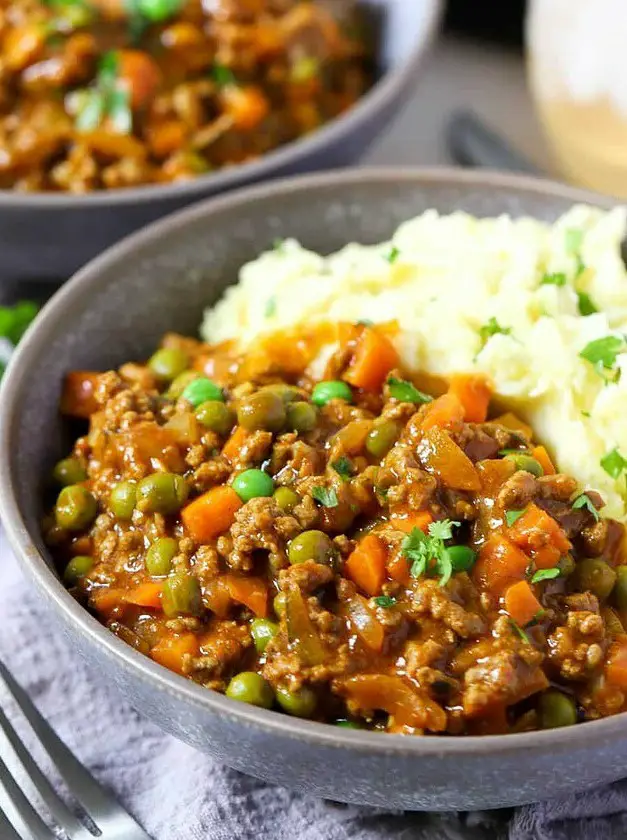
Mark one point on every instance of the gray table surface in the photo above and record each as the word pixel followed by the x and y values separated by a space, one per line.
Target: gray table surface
pixel 462 74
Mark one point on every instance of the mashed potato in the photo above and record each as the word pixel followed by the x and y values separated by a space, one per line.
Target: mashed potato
pixel 516 299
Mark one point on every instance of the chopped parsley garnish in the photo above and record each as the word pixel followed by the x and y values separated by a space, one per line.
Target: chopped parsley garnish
pixel 364 322
pixel 428 553
pixel 613 463
pixel 520 631
pixel 492 327
pixel 392 255
pixel 270 309
pixel 327 498
pixel 222 75
pixel 404 391
pixel 545 574
pixel 384 601
pixel 585 414
pixel 105 100
pixel 556 279
pixel 584 501
pixel 602 352
pixel 585 305
pixel 512 516
pixel 343 467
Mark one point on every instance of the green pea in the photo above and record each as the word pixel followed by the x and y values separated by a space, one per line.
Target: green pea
pixel 301 417
pixel 161 493
pixel 300 703
pixel 594 575
pixel 250 687
pixel 74 16
pixel 348 724
pixel 381 438
pixel 76 508
pixel 525 463
pixel 122 499
pixel 181 595
pixel 216 416
pixel 159 10
pixel 462 557
pixel 311 545
pixel 556 709
pixel 251 484
pixel 160 555
pixel 620 588
pixel 168 362
pixel 288 393
pixel 278 604
pixel 69 471
pixel 286 499
pixel 201 390
pixel 262 630
pixel 329 390
pixel 77 568
pixel 180 383
pixel 262 410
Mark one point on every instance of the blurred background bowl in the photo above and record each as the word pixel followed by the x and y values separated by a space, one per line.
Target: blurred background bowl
pixel 49 236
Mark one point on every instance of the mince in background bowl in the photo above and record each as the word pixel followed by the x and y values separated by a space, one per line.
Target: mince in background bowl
pixel 101 94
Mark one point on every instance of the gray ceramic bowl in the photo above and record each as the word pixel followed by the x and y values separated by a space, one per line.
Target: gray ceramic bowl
pixel 49 236
pixel 116 309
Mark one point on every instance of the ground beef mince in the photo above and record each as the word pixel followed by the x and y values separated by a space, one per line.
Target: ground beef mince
pixel 352 550
pixel 103 94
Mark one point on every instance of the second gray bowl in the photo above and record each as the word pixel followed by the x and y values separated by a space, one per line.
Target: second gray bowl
pixel 116 309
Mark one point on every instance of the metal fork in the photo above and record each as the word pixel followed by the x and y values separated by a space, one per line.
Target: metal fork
pixel 110 821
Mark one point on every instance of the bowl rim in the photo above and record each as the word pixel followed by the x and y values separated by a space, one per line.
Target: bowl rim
pixel 29 558
pixel 388 87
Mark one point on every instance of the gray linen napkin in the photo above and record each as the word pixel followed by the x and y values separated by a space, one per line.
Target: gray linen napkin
pixel 179 794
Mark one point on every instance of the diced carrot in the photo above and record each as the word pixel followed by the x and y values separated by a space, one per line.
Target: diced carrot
pixel 445 412
pixel 167 137
pixel 441 455
pixel 536 528
pixel 407 520
pixel 616 667
pixel 106 600
pixel 232 447
pixel 77 397
pixel 521 604
pixel 352 436
pixel 374 358
pixel 474 393
pixel 139 74
pixel 513 422
pixel 500 564
pixel 172 651
pixel 81 545
pixel 146 594
pixel 247 106
pixel 250 591
pixel 543 458
pixel 211 514
pixel 366 565
pixel 546 557
pixel 398 568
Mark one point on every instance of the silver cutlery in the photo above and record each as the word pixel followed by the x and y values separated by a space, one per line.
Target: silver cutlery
pixel 20 820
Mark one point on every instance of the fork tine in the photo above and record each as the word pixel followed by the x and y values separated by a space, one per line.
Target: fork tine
pixel 6 829
pixel 37 829
pixel 55 805
pixel 112 820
